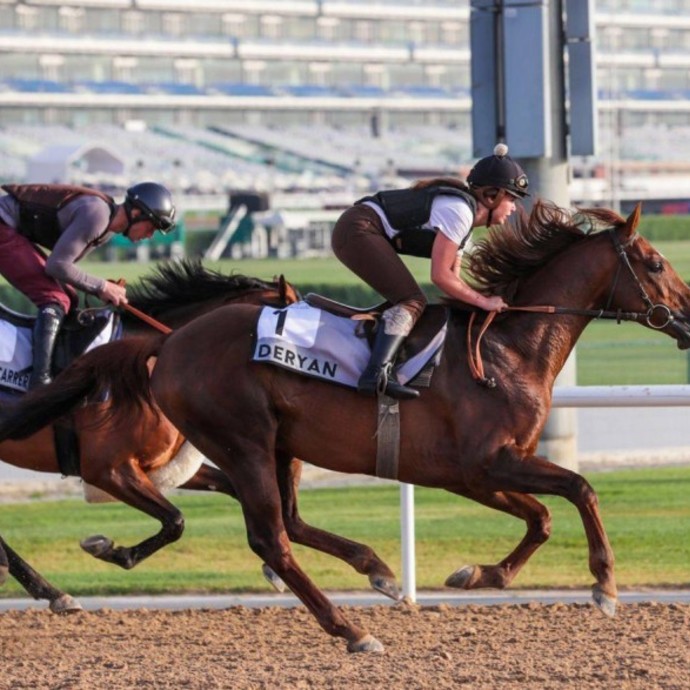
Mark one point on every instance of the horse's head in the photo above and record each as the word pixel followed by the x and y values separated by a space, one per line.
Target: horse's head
pixel 646 283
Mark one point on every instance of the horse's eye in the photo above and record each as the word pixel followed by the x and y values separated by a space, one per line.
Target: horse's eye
pixel 656 266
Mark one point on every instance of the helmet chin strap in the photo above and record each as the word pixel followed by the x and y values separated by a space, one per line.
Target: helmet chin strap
pixel 490 202
pixel 131 220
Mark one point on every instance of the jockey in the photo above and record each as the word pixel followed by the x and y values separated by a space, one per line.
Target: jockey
pixel 433 218
pixel 70 221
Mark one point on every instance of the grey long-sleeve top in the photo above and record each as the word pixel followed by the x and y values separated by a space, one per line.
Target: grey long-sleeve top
pixel 83 222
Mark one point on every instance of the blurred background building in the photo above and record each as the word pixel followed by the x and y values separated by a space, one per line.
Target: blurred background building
pixel 309 104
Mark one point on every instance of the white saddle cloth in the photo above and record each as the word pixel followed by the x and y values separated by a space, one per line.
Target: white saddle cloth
pixel 319 344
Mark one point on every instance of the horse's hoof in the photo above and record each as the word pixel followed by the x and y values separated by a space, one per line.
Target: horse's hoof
pixel 461 578
pixel 65 604
pixel 368 643
pixel 385 585
pixel 274 580
pixel 605 603
pixel 96 545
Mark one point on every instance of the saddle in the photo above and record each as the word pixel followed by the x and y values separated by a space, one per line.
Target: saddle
pixel 339 309
pixel 431 322
pixel 82 330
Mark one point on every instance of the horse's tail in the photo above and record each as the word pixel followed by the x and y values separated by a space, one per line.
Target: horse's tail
pixel 117 372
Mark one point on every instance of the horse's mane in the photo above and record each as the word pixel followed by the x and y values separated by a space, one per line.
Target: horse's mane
pixel 510 253
pixel 177 283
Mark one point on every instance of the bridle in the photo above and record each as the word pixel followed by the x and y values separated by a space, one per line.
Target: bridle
pixel 648 317
pixel 624 261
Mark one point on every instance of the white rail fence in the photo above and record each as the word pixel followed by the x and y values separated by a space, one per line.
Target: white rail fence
pixel 563 396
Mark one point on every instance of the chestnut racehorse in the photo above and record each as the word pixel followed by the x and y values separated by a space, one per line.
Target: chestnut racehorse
pixel 474 440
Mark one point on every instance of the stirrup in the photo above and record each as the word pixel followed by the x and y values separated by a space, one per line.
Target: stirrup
pixel 388 384
pixel 42 379
pixel 395 389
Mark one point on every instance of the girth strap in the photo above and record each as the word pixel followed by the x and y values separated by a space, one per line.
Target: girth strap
pixel 67 450
pixel 387 437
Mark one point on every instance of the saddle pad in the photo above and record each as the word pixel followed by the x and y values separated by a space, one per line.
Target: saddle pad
pixel 15 356
pixel 316 343
pixel 16 350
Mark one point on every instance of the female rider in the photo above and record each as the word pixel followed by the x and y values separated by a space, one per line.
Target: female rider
pixel 433 218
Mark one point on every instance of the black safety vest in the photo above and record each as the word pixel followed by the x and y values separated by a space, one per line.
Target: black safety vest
pixel 407 210
pixel 39 205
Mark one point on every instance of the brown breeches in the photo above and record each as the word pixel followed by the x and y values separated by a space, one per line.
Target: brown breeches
pixel 359 241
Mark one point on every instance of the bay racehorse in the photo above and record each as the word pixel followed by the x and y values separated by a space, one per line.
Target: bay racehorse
pixel 557 269
pixel 124 458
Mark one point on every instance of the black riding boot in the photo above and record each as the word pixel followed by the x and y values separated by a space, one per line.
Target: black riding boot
pixel 379 375
pixel 45 333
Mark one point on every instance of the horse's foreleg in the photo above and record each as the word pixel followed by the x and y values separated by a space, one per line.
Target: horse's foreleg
pixel 130 485
pixel 499 576
pixel 36 585
pixel 360 556
pixel 532 474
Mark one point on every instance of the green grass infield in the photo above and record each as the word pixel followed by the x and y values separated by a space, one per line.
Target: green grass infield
pixel 646 513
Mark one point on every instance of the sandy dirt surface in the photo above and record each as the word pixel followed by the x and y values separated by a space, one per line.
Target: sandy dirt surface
pixel 528 646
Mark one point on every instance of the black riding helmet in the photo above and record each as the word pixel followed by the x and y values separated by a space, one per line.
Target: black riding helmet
pixel 499 171
pixel 155 203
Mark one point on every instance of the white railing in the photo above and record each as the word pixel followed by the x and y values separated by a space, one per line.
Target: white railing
pixel 563 396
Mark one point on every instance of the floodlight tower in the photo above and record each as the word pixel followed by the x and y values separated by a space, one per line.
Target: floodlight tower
pixel 533 88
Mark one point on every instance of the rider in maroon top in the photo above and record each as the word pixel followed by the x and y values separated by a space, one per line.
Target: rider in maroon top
pixel 69 221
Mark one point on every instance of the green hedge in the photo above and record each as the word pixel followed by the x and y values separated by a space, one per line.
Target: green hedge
pixel 15 300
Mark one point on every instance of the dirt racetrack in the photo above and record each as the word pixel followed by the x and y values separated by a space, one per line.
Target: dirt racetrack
pixel 526 646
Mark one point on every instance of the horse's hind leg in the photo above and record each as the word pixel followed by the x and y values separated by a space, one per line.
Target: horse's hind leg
pixel 510 471
pixel 361 557
pixel 251 467
pixel 269 540
pixel 499 576
pixel 208 478
pixel 4 565
pixel 37 586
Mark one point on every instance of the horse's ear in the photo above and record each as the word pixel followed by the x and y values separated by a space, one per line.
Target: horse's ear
pixel 633 219
pixel 282 288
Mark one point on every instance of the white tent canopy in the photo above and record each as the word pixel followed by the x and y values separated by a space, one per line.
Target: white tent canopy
pixel 60 164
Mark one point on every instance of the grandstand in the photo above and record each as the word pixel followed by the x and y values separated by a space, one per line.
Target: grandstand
pixel 313 101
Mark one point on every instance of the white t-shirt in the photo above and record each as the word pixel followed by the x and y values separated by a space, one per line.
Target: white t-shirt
pixel 450 214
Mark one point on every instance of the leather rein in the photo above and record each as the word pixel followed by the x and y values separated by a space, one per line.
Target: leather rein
pixel 474 357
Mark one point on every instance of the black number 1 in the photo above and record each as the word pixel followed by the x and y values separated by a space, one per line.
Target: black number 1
pixel 280 323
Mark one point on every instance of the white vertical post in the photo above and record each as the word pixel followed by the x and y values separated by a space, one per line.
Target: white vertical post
pixel 407 542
